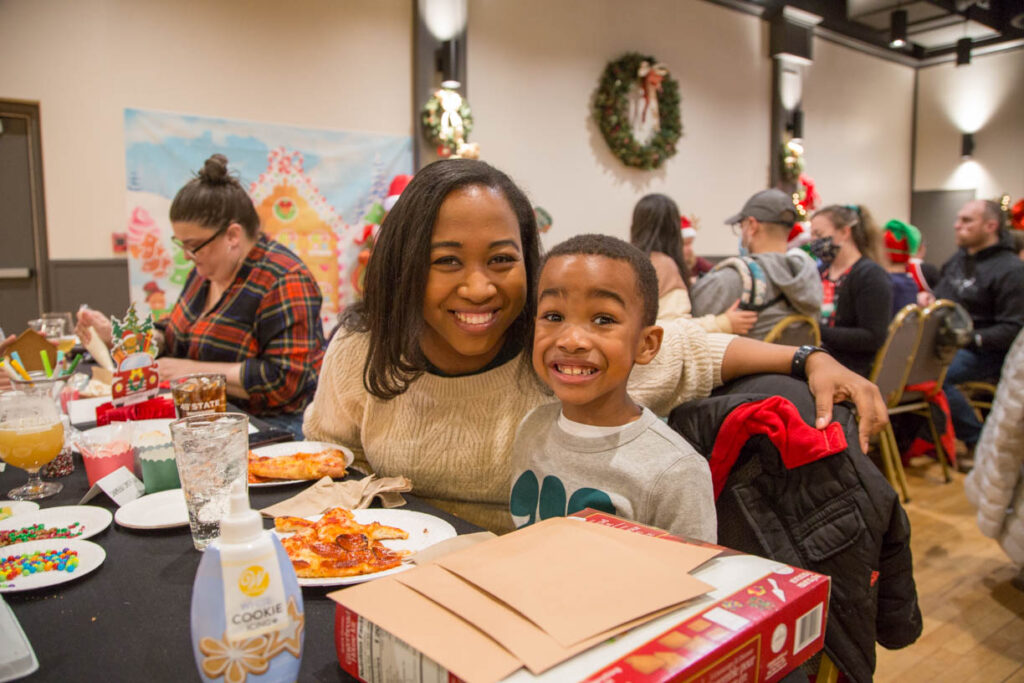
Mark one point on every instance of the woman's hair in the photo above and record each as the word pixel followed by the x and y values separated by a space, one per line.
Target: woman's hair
pixel 656 227
pixel 396 277
pixel 863 229
pixel 215 199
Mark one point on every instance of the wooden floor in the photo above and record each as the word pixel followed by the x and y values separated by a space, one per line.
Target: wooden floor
pixel 973 617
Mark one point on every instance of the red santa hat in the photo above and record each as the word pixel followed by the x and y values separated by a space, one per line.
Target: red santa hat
pixel 398 184
pixel 689 232
pixel 151 288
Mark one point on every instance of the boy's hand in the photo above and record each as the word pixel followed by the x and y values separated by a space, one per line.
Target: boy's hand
pixel 741 321
pixel 831 383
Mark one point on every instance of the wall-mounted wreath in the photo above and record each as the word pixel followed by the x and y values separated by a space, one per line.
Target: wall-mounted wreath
pixel 653 105
pixel 447 122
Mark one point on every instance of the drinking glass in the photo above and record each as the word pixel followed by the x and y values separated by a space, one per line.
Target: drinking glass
pixel 31 435
pixel 200 393
pixel 212 452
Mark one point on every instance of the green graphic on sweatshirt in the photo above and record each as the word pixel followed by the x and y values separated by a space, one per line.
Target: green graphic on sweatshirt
pixel 543 501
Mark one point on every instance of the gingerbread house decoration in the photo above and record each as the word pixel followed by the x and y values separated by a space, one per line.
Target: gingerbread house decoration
pixel 294 212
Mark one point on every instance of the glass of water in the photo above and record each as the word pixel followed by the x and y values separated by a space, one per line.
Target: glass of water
pixel 212 452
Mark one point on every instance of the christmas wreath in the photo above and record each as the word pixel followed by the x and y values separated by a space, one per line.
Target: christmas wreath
pixel 611 110
pixel 447 122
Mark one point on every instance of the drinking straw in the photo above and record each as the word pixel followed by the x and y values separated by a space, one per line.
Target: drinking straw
pixel 9 370
pixel 16 364
pixel 74 364
pixel 60 361
pixel 15 356
pixel 45 357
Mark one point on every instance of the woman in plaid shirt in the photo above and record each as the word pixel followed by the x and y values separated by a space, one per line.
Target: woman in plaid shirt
pixel 250 309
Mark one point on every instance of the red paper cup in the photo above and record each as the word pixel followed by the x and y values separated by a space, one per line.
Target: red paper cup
pixel 106 459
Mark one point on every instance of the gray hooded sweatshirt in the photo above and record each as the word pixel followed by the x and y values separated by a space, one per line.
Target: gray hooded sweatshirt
pixel 793 274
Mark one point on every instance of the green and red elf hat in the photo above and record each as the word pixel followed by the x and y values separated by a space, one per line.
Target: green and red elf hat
pixel 901 240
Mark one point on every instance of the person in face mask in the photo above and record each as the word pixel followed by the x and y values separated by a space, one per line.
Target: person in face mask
pixel 857 292
pixel 768 279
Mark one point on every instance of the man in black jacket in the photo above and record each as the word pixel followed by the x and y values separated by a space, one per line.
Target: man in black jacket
pixel 986 278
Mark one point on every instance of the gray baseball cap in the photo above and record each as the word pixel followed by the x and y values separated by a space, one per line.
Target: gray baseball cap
pixel 771 206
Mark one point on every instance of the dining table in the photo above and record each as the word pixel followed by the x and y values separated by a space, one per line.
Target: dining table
pixel 129 620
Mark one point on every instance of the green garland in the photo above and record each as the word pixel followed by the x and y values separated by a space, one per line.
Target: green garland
pixel 612 115
pixel 430 117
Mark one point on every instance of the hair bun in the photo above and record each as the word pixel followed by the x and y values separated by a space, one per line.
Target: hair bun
pixel 215 170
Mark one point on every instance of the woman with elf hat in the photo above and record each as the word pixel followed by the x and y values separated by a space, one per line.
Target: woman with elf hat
pixel 901 241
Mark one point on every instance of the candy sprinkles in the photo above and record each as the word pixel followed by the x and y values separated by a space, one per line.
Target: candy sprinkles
pixel 38 532
pixel 13 566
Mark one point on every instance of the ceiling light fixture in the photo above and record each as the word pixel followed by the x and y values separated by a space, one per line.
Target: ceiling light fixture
pixel 898 28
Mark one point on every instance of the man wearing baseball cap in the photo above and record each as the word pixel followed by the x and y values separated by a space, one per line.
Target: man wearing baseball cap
pixel 766 278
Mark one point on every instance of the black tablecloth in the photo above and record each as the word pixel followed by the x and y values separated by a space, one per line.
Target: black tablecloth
pixel 129 619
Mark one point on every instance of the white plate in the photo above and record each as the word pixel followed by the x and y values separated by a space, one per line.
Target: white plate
pixel 91 518
pixel 90 556
pixel 19 507
pixel 278 450
pixel 424 530
pixel 163 510
pixel 102 434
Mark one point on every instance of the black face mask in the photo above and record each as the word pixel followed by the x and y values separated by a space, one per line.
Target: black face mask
pixel 824 249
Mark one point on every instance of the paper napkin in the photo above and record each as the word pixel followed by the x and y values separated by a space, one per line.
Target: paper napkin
pixel 352 494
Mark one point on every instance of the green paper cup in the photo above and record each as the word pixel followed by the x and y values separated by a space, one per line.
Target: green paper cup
pixel 159 470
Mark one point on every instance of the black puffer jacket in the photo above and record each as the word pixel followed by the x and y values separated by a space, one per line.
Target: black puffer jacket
pixel 836 516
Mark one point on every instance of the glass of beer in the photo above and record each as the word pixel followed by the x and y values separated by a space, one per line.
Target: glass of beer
pixel 31 435
pixel 200 394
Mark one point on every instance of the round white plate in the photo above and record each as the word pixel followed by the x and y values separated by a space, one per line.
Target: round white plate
pixel 18 507
pixel 104 434
pixel 163 510
pixel 90 556
pixel 91 518
pixel 424 530
pixel 277 450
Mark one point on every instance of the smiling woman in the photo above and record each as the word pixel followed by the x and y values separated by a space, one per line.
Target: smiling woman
pixel 428 378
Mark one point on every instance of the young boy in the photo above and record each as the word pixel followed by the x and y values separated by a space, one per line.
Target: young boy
pixel 598 300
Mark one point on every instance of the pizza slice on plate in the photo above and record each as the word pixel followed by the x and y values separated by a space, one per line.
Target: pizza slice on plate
pixel 328 463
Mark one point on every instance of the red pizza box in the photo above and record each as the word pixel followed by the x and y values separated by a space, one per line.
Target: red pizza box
pixel 761 620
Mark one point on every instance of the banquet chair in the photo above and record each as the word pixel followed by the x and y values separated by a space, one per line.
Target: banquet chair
pixel 928 366
pixel 979 396
pixel 795 330
pixel 889 372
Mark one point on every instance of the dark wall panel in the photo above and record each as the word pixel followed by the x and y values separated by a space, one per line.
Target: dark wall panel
pixel 101 283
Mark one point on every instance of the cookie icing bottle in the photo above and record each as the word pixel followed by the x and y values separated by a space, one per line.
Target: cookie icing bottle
pixel 247 616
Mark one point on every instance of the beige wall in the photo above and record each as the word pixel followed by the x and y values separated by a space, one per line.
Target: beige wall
pixel 986 98
pixel 858 128
pixel 319 63
pixel 534 66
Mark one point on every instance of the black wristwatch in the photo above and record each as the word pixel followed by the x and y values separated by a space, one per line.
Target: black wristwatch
pixel 799 367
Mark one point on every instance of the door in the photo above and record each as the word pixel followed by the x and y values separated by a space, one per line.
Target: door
pixel 23 252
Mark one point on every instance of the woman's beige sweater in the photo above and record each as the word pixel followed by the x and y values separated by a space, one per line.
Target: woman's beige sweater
pixel 452 436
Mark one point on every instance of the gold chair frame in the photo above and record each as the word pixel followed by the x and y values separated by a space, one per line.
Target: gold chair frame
pixel 792 319
pixel 892 464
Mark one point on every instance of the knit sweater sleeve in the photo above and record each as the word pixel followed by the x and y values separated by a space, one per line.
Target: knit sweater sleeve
pixel 688 366
pixel 336 413
pixel 866 298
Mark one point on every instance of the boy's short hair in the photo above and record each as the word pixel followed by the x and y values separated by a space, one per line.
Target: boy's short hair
pixel 614 248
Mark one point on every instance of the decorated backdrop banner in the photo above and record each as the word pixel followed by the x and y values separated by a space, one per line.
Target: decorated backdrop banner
pixel 316 192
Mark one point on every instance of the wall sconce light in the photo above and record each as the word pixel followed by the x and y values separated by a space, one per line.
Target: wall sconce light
pixel 447 58
pixel 967 145
pixel 796 124
pixel 963 52
pixel 898 28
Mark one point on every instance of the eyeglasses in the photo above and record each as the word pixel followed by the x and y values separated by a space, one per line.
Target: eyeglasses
pixel 737 228
pixel 192 251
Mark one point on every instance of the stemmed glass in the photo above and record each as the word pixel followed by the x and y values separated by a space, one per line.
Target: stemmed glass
pixel 31 435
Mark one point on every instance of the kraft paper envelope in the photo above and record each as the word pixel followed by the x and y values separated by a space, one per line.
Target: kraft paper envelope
pixel 575 582
pixel 430 628
pixel 537 650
